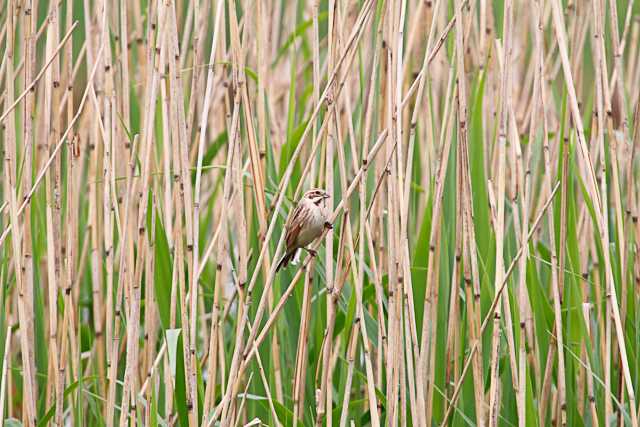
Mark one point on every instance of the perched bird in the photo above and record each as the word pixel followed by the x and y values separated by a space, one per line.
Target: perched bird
pixel 305 224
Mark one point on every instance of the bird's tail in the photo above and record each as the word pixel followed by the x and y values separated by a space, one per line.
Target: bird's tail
pixel 286 259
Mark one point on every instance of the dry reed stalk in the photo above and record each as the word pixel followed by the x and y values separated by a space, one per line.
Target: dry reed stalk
pixel 353 341
pixel 196 47
pixel 52 127
pixel 599 123
pixel 514 153
pixel 71 254
pixel 364 225
pixel 555 272
pixel 452 372
pixel 471 273
pixel 184 201
pixel 10 161
pixel 428 334
pixel 324 397
pixel 495 390
pixel 472 288
pixel 241 229
pixel 96 216
pixel 367 347
pixel 301 354
pixel 525 201
pixel 633 203
pixel 406 286
pixel 389 120
pixel 150 322
pixel 558 286
pixel 202 134
pixel 540 108
pixel 26 288
pixel 133 313
pixel 590 375
pixel 631 208
pixel 229 408
pixel 3 372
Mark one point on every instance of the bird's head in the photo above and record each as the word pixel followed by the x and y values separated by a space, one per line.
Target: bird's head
pixel 317 195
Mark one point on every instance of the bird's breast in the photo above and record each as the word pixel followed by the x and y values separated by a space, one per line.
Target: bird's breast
pixel 313 230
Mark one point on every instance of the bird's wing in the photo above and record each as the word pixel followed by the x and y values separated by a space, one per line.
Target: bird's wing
pixel 296 220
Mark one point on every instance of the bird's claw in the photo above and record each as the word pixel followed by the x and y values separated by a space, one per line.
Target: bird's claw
pixel 328 225
pixel 312 252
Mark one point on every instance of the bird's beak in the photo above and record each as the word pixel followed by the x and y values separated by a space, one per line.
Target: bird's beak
pixel 326 196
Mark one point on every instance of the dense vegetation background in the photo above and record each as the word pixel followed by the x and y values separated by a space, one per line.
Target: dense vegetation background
pixel 483 263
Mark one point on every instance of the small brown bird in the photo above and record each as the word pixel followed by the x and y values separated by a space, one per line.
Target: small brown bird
pixel 305 224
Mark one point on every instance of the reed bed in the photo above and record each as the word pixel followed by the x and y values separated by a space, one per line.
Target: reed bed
pixel 482 268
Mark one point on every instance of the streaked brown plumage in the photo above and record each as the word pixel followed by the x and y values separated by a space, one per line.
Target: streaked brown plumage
pixel 305 223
